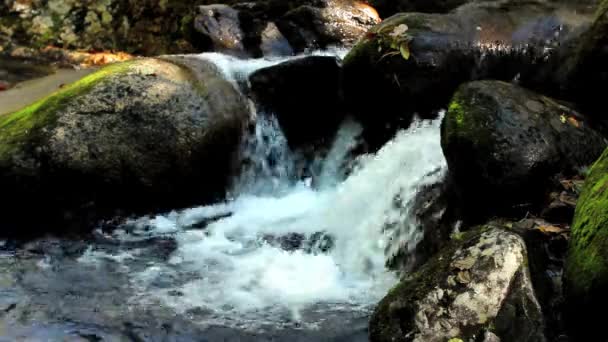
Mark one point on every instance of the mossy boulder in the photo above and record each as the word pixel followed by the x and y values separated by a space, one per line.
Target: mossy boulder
pixel 482 40
pixel 133 137
pixel 586 273
pixel 504 143
pixel 478 286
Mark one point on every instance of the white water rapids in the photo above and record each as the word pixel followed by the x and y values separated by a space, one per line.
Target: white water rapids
pixel 237 268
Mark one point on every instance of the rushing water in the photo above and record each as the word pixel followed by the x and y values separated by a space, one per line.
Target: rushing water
pixel 282 251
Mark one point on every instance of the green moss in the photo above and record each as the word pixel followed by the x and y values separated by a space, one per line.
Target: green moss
pixel 587 263
pixel 601 10
pixel 466 117
pixel 457 236
pixel 23 127
pixel 456 109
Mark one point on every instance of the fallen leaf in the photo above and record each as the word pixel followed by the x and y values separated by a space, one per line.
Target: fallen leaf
pixel 574 122
pixel 464 277
pixel 547 229
pixel 464 264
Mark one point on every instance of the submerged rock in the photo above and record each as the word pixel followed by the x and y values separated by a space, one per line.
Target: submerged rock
pixel 586 274
pixel 135 137
pixel 503 144
pixel 413 62
pixel 304 94
pixel 479 285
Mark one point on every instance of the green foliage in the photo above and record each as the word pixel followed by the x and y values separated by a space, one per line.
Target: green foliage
pixel 397 40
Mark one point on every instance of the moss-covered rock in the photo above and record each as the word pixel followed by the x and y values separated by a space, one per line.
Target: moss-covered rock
pixel 483 40
pixel 476 286
pixel 586 275
pixel 503 144
pixel 141 135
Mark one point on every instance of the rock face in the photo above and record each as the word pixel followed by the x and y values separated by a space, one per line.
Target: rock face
pixel 478 286
pixel 333 22
pixel 504 143
pixel 387 8
pixel 586 275
pixel 153 27
pixel 221 24
pixel 577 71
pixel 141 135
pixel 304 94
pixel 486 40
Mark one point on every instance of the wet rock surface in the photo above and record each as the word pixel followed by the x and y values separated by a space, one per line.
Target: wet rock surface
pixel 413 62
pixel 575 71
pixel 504 143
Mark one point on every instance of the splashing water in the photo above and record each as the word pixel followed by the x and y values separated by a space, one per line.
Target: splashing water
pixel 275 255
pixel 280 251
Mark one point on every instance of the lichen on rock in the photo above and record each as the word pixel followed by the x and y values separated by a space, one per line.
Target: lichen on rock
pixel 461 293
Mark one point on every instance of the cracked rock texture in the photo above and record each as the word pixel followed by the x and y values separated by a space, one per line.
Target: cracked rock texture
pixel 477 287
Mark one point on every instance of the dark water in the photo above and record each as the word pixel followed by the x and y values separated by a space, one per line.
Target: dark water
pixel 48 294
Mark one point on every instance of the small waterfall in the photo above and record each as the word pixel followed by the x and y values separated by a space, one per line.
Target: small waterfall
pixel 268 164
pixel 280 250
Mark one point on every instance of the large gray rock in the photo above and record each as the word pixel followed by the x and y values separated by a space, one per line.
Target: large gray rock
pixel 477 287
pixel 504 143
pixel 577 71
pixel 485 40
pixel 143 135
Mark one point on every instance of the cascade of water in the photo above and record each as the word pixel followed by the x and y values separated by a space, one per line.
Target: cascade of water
pixel 268 165
pixel 280 248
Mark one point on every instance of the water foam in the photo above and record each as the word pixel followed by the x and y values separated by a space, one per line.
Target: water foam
pixel 279 249
pixel 235 269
